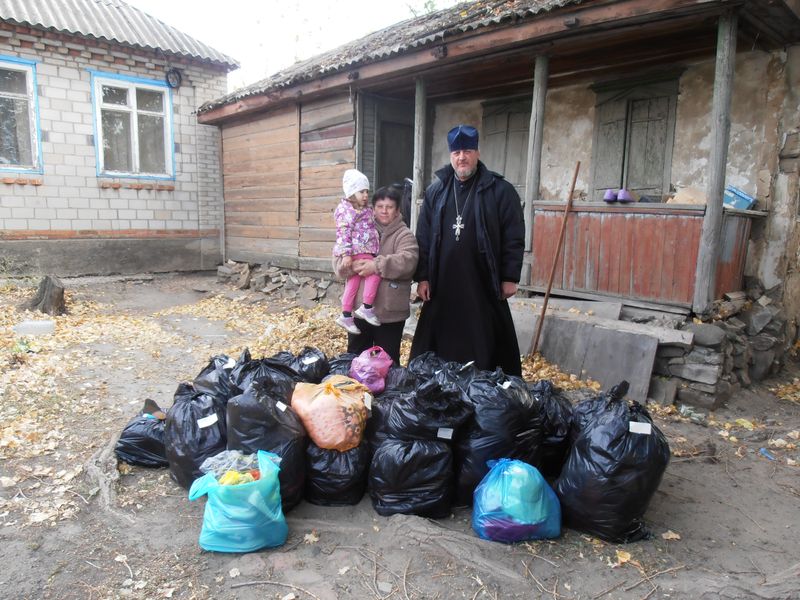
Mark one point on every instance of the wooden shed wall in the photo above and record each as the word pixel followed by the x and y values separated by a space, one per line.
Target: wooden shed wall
pixel 327 149
pixel 260 164
pixel 282 174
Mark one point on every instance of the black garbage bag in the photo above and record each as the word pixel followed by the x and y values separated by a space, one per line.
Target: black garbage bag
pixel 459 375
pixel 412 477
pixel 586 410
pixel 557 423
pixel 195 429
pixel 336 478
pixel 282 376
pixel 340 365
pixel 612 472
pixel 375 431
pixel 215 378
pixel 311 365
pixel 426 365
pixel 400 379
pixel 508 422
pixel 262 419
pixel 141 443
pixel 432 412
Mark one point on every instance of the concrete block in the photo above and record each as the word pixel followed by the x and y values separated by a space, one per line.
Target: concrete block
pixel 704 356
pixel 663 391
pixel 693 372
pixel 665 351
pixel 706 335
pixel 699 399
pixel 760 364
pixel 756 319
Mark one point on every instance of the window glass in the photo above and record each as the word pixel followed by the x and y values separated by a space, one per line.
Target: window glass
pixel 15 132
pixel 151 144
pixel 115 95
pixel 117 141
pixel 149 100
pixel 13 82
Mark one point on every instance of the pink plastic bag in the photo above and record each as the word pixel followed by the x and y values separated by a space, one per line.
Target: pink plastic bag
pixel 370 368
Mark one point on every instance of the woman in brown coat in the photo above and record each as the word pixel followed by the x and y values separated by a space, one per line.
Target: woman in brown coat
pixel 395 263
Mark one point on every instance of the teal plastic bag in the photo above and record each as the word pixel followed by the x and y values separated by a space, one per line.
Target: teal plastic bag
pixel 244 517
pixel 514 503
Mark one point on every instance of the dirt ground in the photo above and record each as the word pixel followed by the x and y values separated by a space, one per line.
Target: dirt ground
pixel 725 521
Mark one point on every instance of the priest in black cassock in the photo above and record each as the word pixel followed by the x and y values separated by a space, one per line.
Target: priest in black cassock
pixel 471 236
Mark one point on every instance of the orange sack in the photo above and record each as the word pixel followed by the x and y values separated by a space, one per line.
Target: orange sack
pixel 333 412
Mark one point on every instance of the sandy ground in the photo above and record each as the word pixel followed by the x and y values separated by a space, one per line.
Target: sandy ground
pixel 726 519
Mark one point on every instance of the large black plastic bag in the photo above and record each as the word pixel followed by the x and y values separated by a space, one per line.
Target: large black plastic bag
pixel 194 430
pixel 141 443
pixel 412 469
pixel 507 423
pixel 376 432
pixel 400 379
pixel 247 371
pixel 262 419
pixel 412 478
pixel 557 422
pixel 432 412
pixel 426 365
pixel 336 478
pixel 457 374
pixel 311 365
pixel 215 378
pixel 586 410
pixel 612 472
pixel 340 365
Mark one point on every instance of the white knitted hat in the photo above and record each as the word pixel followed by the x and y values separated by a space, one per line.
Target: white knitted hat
pixel 354 181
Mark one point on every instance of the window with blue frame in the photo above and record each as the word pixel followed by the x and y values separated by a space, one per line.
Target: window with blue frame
pixel 133 124
pixel 19 131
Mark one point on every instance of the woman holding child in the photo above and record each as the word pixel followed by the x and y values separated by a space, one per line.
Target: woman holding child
pixel 394 264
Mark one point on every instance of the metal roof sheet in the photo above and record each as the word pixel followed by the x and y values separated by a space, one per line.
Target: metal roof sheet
pixel 111 20
pixel 398 39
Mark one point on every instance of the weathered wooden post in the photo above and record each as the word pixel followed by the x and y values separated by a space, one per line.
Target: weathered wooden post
pixel 418 187
pixel 708 254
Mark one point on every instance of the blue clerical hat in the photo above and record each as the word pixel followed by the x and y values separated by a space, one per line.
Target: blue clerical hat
pixel 462 137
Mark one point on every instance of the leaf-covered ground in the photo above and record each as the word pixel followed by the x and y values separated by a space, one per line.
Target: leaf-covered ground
pixel 724 520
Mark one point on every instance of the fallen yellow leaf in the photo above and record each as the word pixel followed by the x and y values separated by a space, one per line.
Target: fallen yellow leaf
pixel 745 423
pixel 670 535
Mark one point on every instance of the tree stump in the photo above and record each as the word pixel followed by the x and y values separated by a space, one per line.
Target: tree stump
pixel 49 298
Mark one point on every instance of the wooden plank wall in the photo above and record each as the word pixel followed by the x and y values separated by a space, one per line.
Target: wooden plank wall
pixel 260 164
pixel 634 253
pixel 646 256
pixel 327 149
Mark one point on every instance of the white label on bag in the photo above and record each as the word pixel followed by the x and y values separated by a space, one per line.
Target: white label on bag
pixel 636 427
pixel 368 401
pixel 281 406
pixel 207 421
pixel 310 359
pixel 445 433
pixel 230 364
pixel 506 385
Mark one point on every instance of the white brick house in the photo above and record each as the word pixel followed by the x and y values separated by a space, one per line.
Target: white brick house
pixel 103 166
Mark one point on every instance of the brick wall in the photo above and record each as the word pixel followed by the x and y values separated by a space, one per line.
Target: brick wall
pixel 68 199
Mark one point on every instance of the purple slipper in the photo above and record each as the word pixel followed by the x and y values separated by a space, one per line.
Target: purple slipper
pixel 610 196
pixel 624 196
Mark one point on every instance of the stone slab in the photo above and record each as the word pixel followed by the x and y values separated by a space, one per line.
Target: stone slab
pixel 589 349
pixel 605 310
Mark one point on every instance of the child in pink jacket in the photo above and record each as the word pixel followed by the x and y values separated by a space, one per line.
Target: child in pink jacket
pixel 356 238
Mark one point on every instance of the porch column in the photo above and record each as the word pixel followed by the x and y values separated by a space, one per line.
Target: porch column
pixel 534 166
pixel 418 187
pixel 708 254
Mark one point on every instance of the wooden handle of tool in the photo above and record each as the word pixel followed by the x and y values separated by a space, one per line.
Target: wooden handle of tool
pixel 567 208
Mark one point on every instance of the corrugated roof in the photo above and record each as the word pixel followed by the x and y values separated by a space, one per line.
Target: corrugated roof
pixel 398 39
pixel 112 20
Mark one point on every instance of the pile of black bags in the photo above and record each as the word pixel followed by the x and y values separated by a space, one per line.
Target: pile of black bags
pixel 427 443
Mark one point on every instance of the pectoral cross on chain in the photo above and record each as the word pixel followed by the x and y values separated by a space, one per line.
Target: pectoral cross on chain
pixel 458 226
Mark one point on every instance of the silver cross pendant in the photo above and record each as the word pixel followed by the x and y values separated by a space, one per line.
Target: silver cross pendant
pixel 458 226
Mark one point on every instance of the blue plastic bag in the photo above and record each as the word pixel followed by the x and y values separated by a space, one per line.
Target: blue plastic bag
pixel 514 503
pixel 244 517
